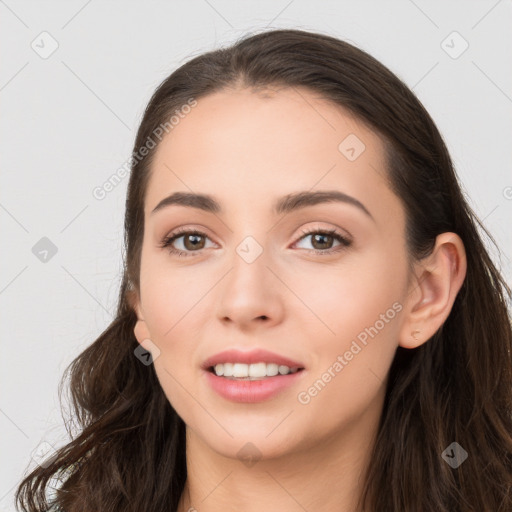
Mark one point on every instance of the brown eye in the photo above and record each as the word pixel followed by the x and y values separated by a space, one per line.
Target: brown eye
pixel 323 240
pixel 193 241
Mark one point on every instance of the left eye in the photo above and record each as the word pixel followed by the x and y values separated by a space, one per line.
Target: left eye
pixel 326 237
pixel 192 241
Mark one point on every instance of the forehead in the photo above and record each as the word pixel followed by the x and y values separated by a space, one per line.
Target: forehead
pixel 244 145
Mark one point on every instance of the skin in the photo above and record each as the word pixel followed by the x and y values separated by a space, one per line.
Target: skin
pixel 247 149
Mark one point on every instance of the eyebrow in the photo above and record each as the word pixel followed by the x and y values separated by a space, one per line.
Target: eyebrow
pixel 285 204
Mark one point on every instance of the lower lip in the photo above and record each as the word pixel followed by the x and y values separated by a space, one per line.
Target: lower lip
pixel 251 391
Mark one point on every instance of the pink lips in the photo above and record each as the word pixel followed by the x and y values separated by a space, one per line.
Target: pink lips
pixel 250 391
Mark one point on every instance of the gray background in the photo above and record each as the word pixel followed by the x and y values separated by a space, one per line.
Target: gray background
pixel 68 123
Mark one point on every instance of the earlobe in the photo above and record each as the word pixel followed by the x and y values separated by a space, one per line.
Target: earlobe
pixel 439 278
pixel 141 331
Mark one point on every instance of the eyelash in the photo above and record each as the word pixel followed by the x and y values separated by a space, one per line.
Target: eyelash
pixel 168 240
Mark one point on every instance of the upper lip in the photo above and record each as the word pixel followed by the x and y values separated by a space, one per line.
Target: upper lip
pixel 248 357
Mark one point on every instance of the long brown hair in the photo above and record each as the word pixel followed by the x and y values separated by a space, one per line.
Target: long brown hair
pixel 457 387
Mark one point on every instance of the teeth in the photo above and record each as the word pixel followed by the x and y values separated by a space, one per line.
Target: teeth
pixel 251 371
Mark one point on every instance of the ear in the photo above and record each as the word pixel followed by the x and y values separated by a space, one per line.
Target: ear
pixel 433 289
pixel 140 330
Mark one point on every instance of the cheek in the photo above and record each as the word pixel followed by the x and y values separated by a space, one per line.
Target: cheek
pixel 171 296
pixel 177 304
pixel 342 300
pixel 172 305
pixel 355 333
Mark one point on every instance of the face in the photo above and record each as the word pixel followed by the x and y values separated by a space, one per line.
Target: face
pixel 322 283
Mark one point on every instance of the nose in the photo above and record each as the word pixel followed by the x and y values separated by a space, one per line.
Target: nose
pixel 250 293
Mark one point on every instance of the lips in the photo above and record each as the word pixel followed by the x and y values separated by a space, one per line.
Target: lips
pixel 249 357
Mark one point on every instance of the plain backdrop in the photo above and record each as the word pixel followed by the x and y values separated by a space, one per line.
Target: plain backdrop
pixel 75 77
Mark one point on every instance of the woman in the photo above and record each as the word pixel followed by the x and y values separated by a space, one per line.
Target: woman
pixel 308 317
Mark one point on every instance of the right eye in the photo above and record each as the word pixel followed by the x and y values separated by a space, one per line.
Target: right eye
pixel 190 242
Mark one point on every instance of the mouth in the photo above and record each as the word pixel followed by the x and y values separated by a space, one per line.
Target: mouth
pixel 252 383
pixel 253 371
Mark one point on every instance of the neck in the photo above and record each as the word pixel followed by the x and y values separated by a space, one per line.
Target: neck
pixel 325 476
